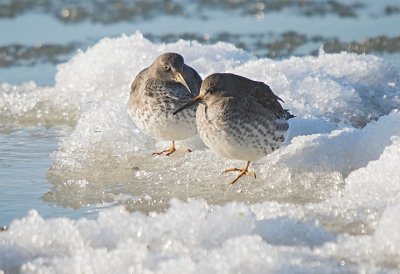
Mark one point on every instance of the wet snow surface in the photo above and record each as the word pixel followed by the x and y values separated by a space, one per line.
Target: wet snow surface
pixel 326 202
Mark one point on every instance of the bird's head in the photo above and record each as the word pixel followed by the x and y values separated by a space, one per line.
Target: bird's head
pixel 211 85
pixel 169 66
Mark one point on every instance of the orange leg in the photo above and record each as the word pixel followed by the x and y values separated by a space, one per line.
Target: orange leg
pixel 170 150
pixel 243 171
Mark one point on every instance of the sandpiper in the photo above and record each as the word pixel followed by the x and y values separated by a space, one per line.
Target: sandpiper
pixel 239 118
pixel 159 89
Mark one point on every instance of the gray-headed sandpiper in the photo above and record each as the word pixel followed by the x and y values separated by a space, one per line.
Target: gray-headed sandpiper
pixel 157 91
pixel 238 118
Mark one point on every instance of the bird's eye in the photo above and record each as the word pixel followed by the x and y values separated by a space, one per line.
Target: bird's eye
pixel 166 67
pixel 210 89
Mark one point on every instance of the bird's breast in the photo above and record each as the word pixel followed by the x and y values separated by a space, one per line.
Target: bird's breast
pixel 239 129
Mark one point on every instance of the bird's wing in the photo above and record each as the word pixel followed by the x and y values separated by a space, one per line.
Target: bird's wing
pixel 138 80
pixel 263 94
pixel 192 78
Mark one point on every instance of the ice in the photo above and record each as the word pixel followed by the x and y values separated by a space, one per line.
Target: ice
pixel 30 104
pixel 379 180
pixel 342 87
pixel 342 150
pixel 326 92
pixel 379 251
pixel 386 237
pixel 192 236
pixel 103 74
pixel 327 201
pixel 289 231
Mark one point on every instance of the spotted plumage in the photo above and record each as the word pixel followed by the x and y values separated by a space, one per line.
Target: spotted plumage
pixel 240 119
pixel 157 91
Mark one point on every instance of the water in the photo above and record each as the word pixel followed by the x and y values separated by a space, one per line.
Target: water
pixel 275 29
pixel 24 164
pixel 326 202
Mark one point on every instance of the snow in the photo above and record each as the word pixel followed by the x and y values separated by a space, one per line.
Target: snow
pixel 193 237
pixel 327 201
pixel 379 181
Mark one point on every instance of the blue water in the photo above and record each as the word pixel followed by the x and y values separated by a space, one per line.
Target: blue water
pixel 37 28
pixel 24 161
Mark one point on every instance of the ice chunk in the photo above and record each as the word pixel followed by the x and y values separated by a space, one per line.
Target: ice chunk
pixel 192 236
pixel 325 92
pixel 379 251
pixel 387 237
pixel 342 87
pixel 309 168
pixel 288 231
pixel 92 90
pixel 379 181
pixel 342 150
pixel 28 104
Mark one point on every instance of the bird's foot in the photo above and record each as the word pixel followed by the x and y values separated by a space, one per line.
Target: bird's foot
pixel 167 152
pixel 171 150
pixel 231 169
pixel 243 171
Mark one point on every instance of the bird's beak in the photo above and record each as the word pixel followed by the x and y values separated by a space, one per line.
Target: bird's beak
pixel 179 78
pixel 195 100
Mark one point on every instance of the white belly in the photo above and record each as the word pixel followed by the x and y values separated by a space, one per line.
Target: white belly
pixel 164 126
pixel 234 140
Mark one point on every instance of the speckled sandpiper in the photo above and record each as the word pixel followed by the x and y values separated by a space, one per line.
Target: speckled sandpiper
pixel 157 91
pixel 239 118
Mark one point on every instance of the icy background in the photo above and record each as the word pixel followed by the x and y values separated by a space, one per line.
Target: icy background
pixel 328 201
